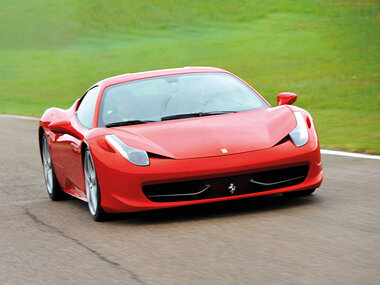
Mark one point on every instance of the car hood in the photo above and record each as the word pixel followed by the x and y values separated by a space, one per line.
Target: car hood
pixel 211 135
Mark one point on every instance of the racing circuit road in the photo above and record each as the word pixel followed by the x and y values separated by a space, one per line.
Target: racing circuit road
pixel 331 237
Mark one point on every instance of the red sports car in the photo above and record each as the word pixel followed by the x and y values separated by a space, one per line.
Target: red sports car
pixel 168 138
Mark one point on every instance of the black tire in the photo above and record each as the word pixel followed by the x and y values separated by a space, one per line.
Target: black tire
pixel 299 193
pixel 52 186
pixel 92 188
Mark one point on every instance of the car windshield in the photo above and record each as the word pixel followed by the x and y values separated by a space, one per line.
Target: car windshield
pixel 174 97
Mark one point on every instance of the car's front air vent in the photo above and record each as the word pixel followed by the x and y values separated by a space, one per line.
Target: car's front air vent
pixel 285 139
pixel 154 155
pixel 226 185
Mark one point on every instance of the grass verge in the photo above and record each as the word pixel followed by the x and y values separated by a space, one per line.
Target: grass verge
pixel 325 51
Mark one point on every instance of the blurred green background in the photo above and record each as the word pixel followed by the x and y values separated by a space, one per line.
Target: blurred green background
pixel 325 51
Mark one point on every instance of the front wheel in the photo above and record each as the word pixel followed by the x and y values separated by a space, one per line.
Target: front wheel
pixel 92 188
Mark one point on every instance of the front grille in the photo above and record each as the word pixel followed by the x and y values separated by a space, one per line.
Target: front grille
pixel 226 186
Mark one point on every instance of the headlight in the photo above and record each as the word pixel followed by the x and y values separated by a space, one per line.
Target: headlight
pixel 133 155
pixel 299 135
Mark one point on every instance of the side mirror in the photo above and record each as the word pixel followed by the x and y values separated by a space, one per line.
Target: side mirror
pixel 64 127
pixel 286 98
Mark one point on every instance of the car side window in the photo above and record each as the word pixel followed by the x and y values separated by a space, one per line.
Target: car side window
pixel 86 110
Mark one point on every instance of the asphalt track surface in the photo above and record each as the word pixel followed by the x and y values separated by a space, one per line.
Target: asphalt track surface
pixel 331 237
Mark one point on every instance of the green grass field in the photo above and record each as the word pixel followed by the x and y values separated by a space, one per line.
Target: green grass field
pixel 325 51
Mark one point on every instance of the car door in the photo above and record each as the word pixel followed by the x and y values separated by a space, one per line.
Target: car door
pixel 71 156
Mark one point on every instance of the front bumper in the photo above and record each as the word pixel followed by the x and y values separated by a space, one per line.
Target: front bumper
pixel 121 182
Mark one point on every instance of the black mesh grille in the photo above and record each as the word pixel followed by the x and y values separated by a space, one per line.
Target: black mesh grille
pixel 226 186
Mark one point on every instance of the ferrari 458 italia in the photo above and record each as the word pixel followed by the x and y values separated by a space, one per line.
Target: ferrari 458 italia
pixel 175 137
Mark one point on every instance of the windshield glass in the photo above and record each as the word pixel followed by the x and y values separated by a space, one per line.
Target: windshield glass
pixel 167 96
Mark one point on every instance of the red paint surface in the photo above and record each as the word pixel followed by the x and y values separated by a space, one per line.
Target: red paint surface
pixel 193 147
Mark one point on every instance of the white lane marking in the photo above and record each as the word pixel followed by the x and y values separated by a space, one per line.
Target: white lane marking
pixel 19 117
pixel 323 151
pixel 350 154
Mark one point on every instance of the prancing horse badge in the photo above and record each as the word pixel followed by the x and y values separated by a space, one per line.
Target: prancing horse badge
pixel 232 188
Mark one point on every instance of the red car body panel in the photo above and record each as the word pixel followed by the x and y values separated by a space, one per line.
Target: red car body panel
pixel 185 150
pixel 240 132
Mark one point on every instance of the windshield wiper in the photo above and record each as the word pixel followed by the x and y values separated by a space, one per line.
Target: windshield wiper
pixel 126 123
pixel 198 114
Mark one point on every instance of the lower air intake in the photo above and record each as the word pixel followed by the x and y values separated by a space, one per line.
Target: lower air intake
pixel 226 186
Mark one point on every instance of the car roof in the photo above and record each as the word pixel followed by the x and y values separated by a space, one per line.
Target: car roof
pixel 146 74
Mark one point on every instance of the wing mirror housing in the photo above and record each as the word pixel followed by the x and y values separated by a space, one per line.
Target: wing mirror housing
pixel 64 127
pixel 286 98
